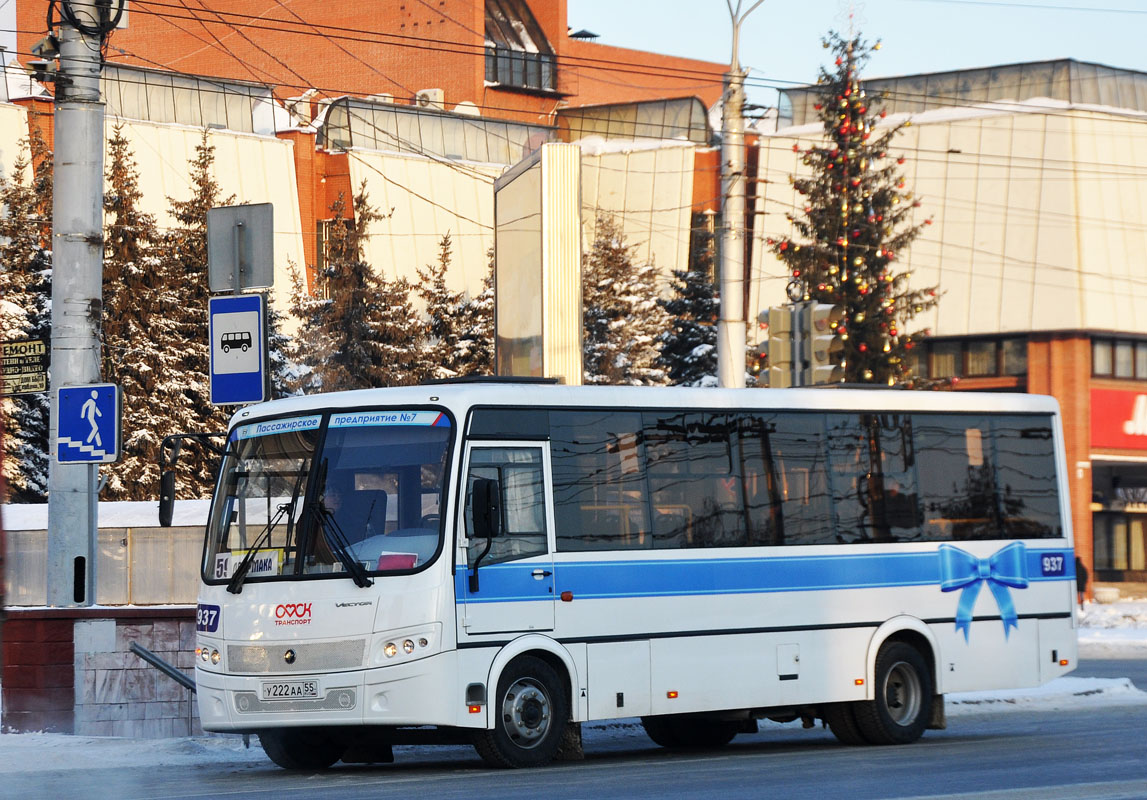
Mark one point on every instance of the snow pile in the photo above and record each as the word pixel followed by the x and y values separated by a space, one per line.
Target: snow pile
pixel 39 752
pixel 1113 630
pixel 1059 694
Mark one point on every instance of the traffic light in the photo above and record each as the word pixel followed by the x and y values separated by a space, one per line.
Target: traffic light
pixel 824 344
pixel 780 346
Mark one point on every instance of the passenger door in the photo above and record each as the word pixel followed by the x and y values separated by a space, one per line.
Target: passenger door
pixel 515 575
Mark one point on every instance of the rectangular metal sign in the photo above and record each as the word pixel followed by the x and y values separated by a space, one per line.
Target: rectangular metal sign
pixel 238 330
pixel 240 247
pixel 25 366
pixel 88 424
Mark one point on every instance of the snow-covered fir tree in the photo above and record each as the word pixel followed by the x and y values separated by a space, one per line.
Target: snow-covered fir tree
pixel 856 221
pixel 475 346
pixel 689 343
pixel 25 309
pixel 140 348
pixel 310 339
pixel 284 372
pixel 361 330
pixel 443 329
pixel 623 318
pixel 183 270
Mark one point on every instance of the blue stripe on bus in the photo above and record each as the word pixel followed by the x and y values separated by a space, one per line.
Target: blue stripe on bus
pixel 513 581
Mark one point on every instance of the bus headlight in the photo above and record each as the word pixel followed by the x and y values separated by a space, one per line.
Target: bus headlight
pixel 408 646
pixel 215 657
pixel 391 649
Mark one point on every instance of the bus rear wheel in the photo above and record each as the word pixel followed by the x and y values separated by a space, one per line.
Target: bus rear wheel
pixel 842 722
pixel 681 731
pixel 302 748
pixel 903 703
pixel 531 710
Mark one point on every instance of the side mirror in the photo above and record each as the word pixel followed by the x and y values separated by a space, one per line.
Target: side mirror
pixel 486 502
pixel 166 497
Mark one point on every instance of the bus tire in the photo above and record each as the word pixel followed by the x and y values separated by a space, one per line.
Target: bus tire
pixel 684 731
pixel 903 704
pixel 302 748
pixel 842 722
pixel 531 710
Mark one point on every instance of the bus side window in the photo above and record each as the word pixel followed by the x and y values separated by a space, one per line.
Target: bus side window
pixel 956 472
pixel 600 494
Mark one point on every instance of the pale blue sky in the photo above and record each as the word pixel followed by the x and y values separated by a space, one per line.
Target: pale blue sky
pixel 781 40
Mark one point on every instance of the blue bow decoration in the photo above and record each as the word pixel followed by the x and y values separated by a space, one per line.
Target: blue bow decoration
pixel 962 570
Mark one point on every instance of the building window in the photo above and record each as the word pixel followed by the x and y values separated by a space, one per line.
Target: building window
pixel 978 358
pixel 1119 358
pixel 517 51
pixel 1120 541
pixel 981 359
pixel 946 361
pixel 1014 353
pixel 1124 359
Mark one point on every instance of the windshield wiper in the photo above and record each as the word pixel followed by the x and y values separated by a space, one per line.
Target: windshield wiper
pixel 338 543
pixel 235 585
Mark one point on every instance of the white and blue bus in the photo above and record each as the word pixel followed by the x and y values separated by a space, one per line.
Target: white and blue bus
pixel 497 562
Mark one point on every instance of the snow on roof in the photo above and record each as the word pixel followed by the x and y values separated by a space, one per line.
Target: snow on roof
pixel 597 145
pixel 995 108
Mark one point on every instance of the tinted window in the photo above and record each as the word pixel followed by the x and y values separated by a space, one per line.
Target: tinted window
pixel 1029 497
pixel 797 444
pixel 696 493
pixel 957 476
pixel 598 463
pixel 510 423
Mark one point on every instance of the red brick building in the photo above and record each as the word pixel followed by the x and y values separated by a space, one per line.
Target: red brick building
pixel 513 59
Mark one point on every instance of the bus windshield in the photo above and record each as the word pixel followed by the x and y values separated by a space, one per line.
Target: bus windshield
pixel 357 493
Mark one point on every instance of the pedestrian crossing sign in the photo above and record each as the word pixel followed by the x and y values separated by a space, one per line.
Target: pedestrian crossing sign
pixel 88 424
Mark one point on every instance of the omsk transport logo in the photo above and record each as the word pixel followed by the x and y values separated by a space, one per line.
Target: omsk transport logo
pixel 293 614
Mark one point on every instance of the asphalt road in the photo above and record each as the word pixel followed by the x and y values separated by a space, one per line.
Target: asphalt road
pixel 1098 752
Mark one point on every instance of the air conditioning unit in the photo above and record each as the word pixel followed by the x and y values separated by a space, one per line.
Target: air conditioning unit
pixel 381 98
pixel 431 98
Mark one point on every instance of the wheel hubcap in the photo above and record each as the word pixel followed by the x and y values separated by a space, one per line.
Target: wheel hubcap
pixel 526 713
pixel 902 693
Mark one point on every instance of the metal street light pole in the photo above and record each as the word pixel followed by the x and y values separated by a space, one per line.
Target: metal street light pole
pixel 77 296
pixel 731 325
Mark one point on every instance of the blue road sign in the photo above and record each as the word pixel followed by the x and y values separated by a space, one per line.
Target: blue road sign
pixel 88 424
pixel 238 336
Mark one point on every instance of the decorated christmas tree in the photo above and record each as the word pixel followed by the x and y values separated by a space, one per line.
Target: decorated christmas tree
pixel 855 223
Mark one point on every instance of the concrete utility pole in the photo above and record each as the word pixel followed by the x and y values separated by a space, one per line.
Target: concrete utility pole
pixel 77 292
pixel 731 325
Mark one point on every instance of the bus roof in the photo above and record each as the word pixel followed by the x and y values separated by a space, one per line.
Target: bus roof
pixel 460 397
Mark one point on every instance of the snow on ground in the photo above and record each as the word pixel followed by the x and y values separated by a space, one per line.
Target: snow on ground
pixel 1113 630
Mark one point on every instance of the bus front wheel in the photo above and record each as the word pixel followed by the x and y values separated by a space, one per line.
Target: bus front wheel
pixel 531 711
pixel 302 748
pixel 903 703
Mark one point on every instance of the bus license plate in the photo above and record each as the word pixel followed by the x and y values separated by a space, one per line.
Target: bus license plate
pixel 290 690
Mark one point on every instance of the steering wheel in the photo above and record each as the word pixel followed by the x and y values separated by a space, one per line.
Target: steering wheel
pixel 430 521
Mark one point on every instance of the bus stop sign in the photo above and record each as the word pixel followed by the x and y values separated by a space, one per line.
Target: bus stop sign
pixel 238 344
